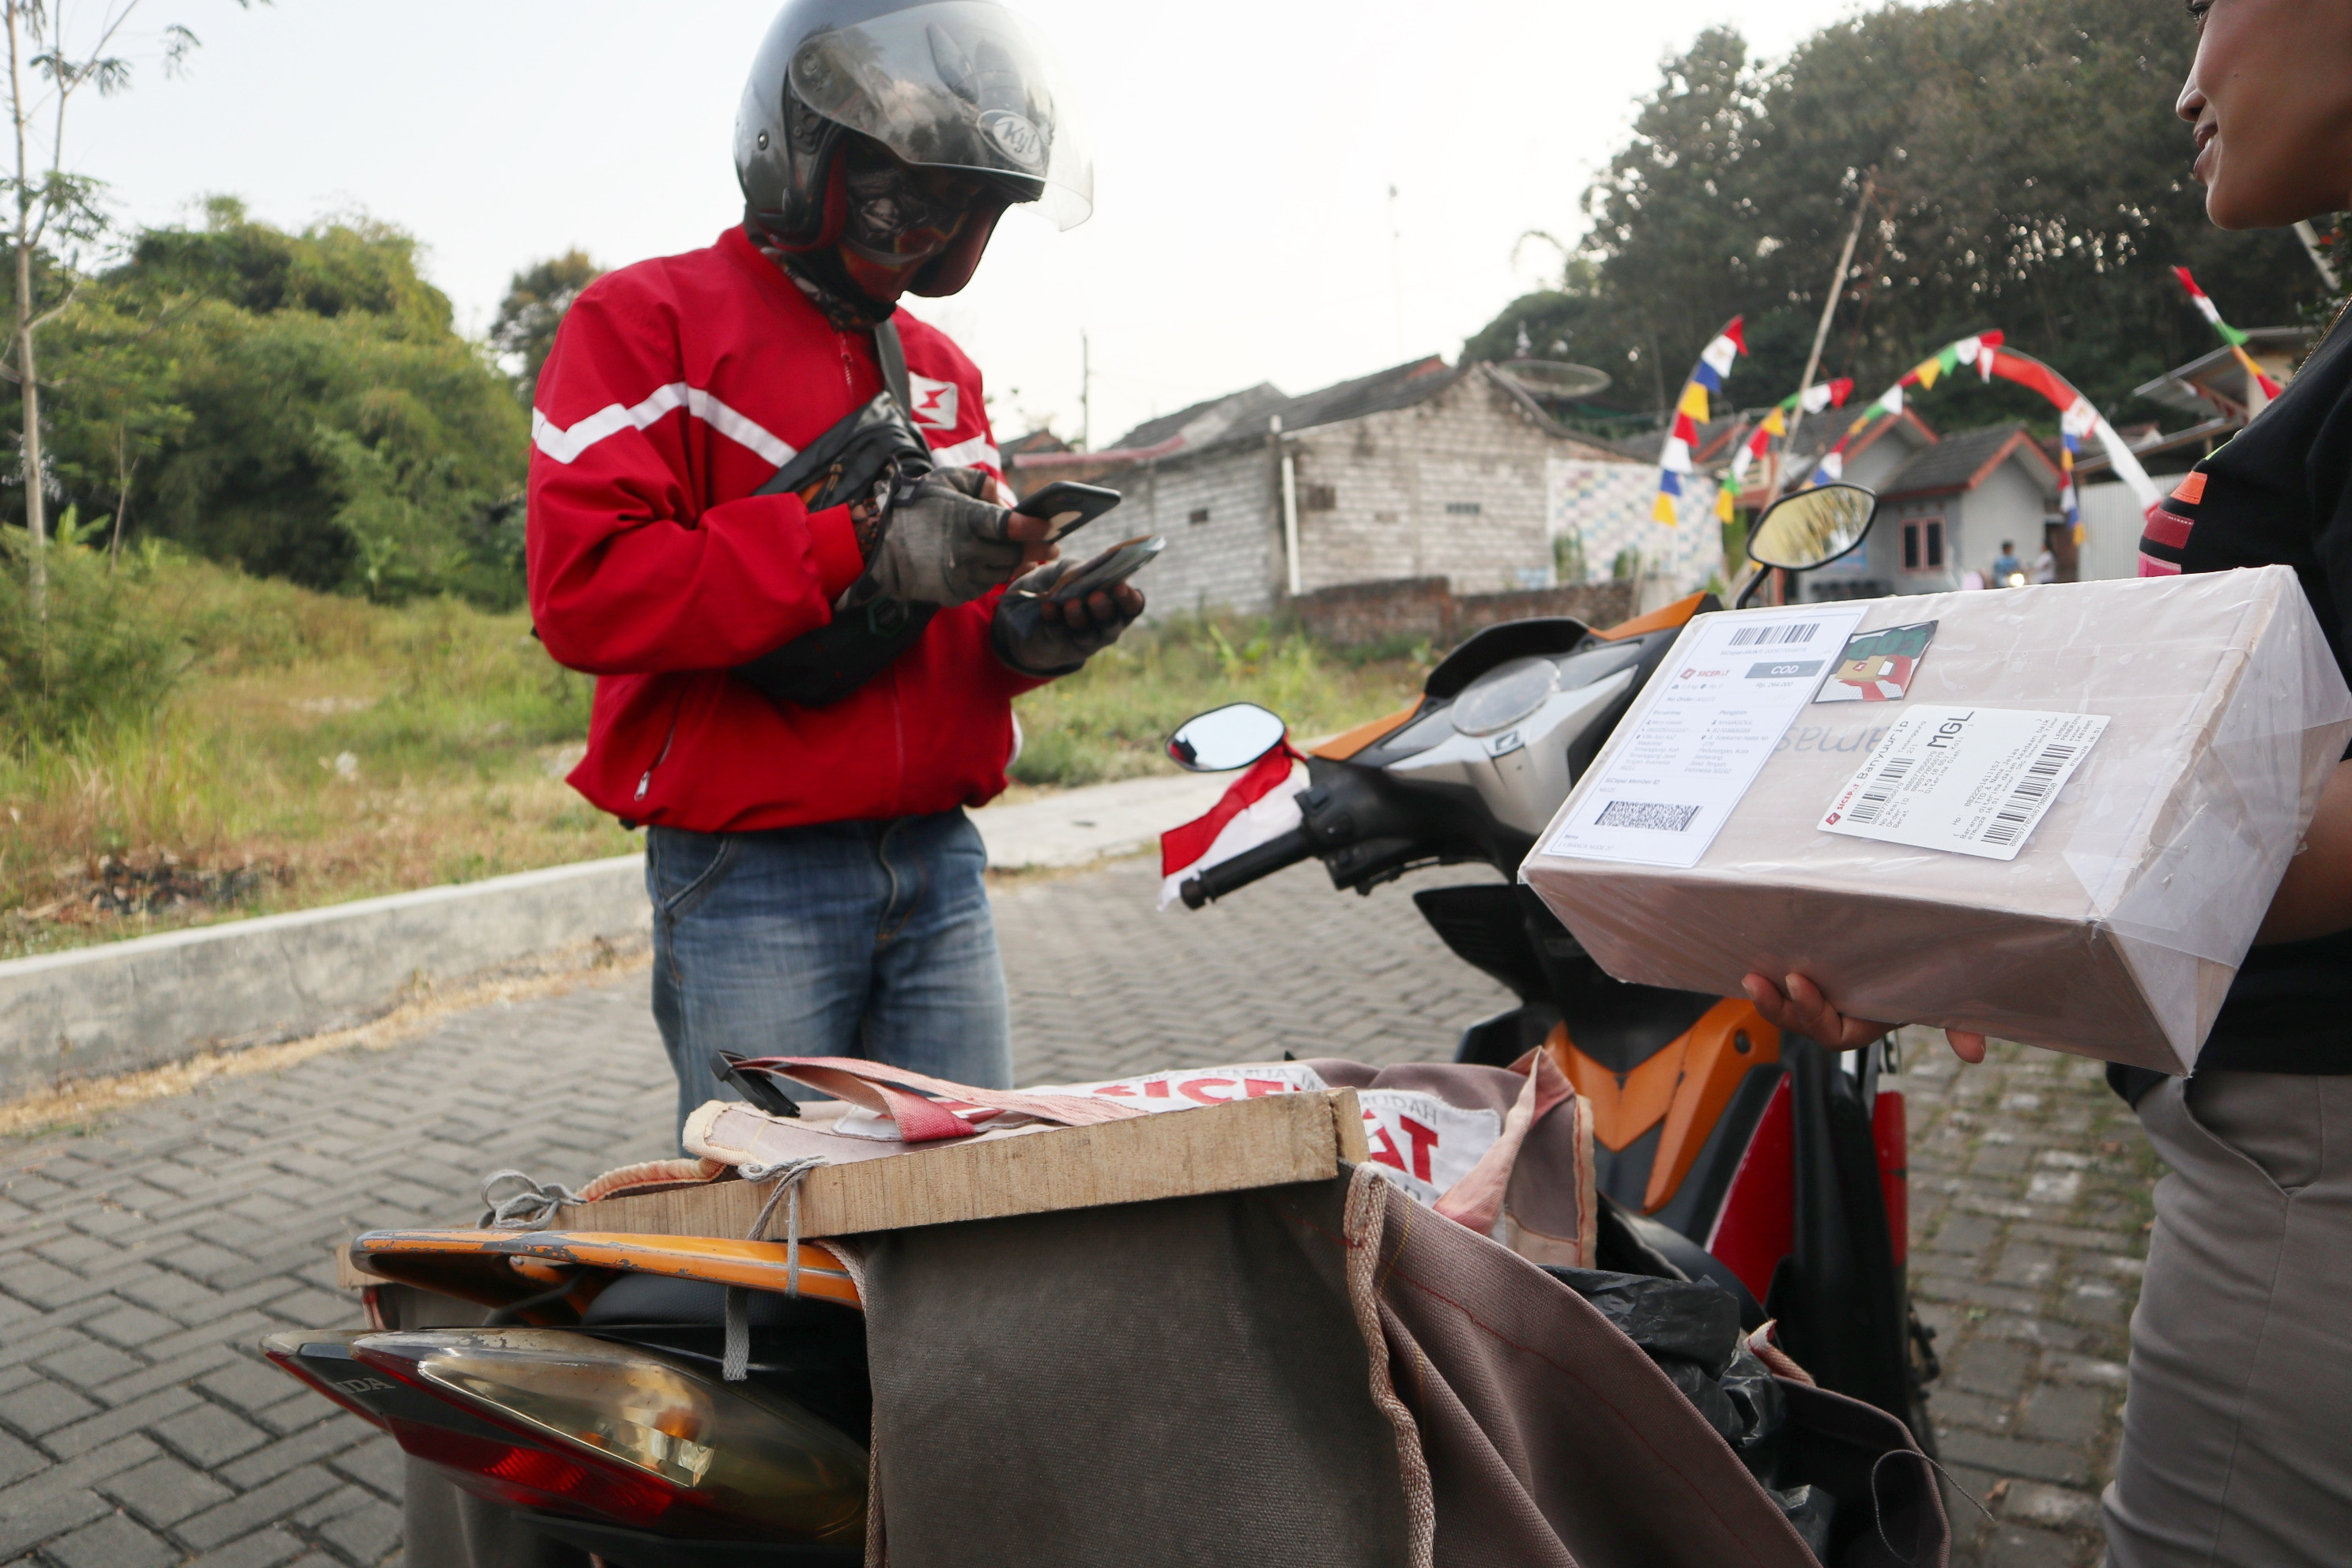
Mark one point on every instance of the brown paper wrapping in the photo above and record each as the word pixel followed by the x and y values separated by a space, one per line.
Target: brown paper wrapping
pixel 2117 930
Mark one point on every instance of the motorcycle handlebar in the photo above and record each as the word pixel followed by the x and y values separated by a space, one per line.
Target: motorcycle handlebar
pixel 1246 867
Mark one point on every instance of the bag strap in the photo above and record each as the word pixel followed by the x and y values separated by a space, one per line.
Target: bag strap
pixel 892 355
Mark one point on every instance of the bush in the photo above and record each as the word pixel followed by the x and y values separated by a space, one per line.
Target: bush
pixel 99 658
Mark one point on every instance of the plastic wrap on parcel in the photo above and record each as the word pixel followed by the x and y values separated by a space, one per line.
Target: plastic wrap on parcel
pixel 2116 928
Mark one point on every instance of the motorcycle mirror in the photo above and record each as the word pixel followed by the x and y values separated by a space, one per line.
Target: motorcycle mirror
pixel 1226 738
pixel 1811 527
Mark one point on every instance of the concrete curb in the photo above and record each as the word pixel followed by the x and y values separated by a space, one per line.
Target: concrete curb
pixel 153 999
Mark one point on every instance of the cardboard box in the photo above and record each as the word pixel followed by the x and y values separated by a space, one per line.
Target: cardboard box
pixel 2117 926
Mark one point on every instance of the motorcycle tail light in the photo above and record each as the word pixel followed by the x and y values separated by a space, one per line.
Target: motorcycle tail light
pixel 548 1419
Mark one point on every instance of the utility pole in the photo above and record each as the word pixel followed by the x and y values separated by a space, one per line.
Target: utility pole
pixel 1396 272
pixel 1829 311
pixel 1086 392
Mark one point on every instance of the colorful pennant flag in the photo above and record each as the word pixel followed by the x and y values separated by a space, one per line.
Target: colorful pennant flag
pixel 2077 417
pixel 1975 351
pixel 1821 396
pixel 1675 457
pixel 2230 334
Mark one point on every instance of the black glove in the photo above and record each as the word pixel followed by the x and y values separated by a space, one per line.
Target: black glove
pixel 942 543
pixel 1029 644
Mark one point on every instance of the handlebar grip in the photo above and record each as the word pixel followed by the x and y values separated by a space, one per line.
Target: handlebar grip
pixel 1227 876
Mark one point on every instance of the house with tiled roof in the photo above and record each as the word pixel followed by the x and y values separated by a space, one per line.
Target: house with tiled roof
pixel 1419 471
pixel 1945 510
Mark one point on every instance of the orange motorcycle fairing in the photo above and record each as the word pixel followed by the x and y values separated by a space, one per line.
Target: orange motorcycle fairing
pixel 1348 742
pixel 454 1261
pixel 1677 614
pixel 1687 1086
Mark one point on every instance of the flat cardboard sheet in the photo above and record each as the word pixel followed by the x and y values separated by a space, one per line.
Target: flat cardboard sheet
pixel 1264 1142
pixel 2116 928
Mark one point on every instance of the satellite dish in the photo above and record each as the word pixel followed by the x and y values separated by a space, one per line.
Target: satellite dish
pixel 1554 378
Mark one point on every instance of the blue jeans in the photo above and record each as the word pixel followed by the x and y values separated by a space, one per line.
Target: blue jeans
pixel 847 939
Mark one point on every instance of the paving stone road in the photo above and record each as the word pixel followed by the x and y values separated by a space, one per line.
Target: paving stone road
pixel 141 1260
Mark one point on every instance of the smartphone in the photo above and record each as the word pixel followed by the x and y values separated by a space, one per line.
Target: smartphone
pixel 1069 506
pixel 1109 570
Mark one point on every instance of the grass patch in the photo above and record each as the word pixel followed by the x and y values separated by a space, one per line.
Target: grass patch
pixel 307 749
pixel 1111 719
pixel 205 745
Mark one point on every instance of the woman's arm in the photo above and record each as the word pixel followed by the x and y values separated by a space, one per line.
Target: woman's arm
pixel 2315 896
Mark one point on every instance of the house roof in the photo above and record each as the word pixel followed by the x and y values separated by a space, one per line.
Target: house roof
pixel 1033 441
pixel 1399 386
pixel 2218 370
pixel 1966 458
pixel 1206 420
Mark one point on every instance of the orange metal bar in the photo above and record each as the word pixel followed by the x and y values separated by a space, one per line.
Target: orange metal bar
pixel 756 1265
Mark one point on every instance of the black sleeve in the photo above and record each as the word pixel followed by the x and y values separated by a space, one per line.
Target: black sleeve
pixel 2327 468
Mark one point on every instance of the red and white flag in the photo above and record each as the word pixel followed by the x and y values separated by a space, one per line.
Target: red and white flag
pixel 1260 805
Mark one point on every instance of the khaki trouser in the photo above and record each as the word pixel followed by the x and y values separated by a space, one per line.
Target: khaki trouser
pixel 2238 1432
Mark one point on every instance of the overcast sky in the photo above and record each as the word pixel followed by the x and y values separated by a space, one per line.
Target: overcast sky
pixel 1244 153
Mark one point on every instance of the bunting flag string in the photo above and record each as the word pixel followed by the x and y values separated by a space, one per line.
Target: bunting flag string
pixel 1817 398
pixel 1989 356
pixel 2230 334
pixel 1675 458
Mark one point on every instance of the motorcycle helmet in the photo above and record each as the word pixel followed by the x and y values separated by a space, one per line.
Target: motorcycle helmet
pixel 963 86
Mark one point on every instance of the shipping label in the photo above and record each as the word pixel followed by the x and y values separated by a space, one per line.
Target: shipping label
pixel 1725 701
pixel 1972 781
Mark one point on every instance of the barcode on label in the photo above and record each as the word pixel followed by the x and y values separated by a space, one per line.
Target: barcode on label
pixel 1872 802
pixel 2027 796
pixel 1785 634
pixel 1644 814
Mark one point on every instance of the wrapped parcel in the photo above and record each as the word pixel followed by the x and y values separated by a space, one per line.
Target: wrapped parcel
pixel 2054 814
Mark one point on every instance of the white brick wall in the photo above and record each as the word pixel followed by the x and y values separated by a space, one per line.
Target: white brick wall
pixel 1453 487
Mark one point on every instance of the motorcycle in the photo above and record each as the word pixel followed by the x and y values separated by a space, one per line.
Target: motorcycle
pixel 1723 1150
pixel 572 1399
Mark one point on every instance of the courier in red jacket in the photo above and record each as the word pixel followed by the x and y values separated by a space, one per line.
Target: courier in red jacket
pixel 766 512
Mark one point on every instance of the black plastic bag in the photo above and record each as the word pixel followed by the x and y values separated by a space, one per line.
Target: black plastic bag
pixel 1692 1320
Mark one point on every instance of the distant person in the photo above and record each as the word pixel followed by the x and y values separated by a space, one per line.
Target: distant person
pixel 2045 565
pixel 2008 571
pixel 2237 1433
pixel 804 677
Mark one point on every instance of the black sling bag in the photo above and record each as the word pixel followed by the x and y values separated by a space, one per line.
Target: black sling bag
pixel 878 443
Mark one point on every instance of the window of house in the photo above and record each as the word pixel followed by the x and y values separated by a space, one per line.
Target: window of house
pixel 1923 544
pixel 1318 497
pixel 1462 508
pixel 1198 514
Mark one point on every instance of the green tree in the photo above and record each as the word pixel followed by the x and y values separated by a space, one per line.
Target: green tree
pixel 534 307
pixel 297 404
pixel 51 207
pixel 2029 176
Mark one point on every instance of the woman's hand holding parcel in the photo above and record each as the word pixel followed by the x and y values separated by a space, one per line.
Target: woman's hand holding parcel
pixel 1797 1007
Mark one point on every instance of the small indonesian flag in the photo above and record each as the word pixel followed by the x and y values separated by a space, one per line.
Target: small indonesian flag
pixel 2230 334
pixel 1260 805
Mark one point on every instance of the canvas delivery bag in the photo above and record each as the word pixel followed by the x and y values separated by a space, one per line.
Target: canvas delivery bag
pixel 2054 814
pixel 1376 1369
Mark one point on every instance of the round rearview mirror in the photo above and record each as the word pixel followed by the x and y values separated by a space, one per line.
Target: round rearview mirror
pixel 1811 527
pixel 1226 738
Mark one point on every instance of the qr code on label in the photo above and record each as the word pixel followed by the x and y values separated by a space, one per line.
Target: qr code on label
pixel 1645 815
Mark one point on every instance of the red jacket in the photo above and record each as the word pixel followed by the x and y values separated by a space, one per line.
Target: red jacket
pixel 675 389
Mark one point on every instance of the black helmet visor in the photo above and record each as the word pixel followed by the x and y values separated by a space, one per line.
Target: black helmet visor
pixel 957 84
